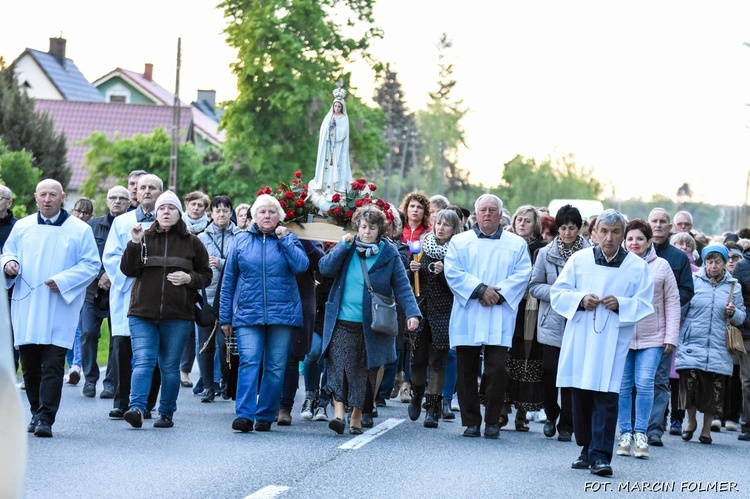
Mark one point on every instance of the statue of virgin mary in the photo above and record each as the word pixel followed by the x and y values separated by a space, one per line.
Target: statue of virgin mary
pixel 333 174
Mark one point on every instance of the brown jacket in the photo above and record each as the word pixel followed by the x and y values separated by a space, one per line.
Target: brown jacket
pixel 154 297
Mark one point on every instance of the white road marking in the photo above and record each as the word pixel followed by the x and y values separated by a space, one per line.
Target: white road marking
pixel 372 434
pixel 268 492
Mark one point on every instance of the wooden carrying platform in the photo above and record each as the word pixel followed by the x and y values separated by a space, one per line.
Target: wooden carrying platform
pixel 318 230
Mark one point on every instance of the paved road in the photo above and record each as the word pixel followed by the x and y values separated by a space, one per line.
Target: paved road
pixel 93 457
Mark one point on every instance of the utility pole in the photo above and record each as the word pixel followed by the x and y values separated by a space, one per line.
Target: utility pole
pixel 175 149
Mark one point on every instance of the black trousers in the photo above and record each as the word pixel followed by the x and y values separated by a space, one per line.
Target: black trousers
pixel 495 382
pixel 90 325
pixel 206 359
pixel 595 423
pixel 43 367
pixel 426 355
pixel 564 410
pixel 122 357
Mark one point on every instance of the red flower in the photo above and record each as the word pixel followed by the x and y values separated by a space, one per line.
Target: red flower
pixel 387 207
pixel 358 202
pixel 379 202
pixel 349 214
pixel 303 195
pixel 299 203
pixel 289 195
pixel 372 187
pixel 260 191
pixel 298 174
pixel 336 198
pixel 283 204
pixel 366 200
pixel 279 190
pixel 304 186
pixel 356 186
pixel 289 214
pixel 266 190
pixel 336 210
pixel 361 180
pixel 295 181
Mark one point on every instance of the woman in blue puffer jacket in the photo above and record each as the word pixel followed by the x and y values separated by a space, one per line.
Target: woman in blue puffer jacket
pixel 702 357
pixel 261 302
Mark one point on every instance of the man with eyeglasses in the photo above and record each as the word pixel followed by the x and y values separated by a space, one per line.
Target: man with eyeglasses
pixel 96 306
pixel 6 215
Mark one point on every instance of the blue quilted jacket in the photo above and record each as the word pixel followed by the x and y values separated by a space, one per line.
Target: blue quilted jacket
pixel 259 285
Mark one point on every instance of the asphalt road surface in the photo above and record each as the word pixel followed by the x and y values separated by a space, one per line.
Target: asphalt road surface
pixel 91 456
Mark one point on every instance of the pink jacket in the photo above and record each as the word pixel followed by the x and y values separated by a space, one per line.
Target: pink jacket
pixel 663 326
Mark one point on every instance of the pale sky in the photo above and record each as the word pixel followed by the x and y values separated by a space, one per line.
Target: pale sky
pixel 648 94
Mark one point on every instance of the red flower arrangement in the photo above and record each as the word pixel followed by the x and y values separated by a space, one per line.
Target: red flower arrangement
pixel 360 194
pixel 294 199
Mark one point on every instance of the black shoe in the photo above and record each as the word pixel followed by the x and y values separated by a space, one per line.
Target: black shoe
pixel 34 421
pixel 242 424
pixel 601 468
pixel 107 393
pixel 445 410
pixel 564 436
pixel 134 417
pixel 89 389
pixel 163 422
pixel 472 431
pixel 744 436
pixel 116 414
pixel 582 463
pixel 415 404
pixel 432 418
pixel 491 431
pixel 208 396
pixel 354 430
pixel 224 390
pixel 503 421
pixel 337 425
pixel 380 402
pixel 655 440
pixel 701 439
pixel 261 425
pixel 374 412
pixel 521 425
pixel 367 421
pixel 549 429
pixel 688 434
pixel 43 429
pixel 147 414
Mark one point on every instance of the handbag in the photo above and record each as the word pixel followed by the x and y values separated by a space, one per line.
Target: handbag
pixel 384 316
pixel 203 313
pixel 735 343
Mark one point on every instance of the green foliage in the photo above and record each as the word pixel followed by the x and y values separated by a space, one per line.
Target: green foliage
pixel 21 128
pixel 441 131
pixel 530 183
pixel 18 173
pixel 110 162
pixel 290 56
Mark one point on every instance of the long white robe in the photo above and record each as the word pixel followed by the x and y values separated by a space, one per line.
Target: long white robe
pixel 471 261
pixel 333 173
pixel 593 360
pixel 66 254
pixel 119 292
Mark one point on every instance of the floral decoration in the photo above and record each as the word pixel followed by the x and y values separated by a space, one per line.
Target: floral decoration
pixel 293 198
pixel 361 193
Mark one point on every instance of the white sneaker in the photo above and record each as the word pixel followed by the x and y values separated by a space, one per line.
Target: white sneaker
pixel 74 375
pixel 541 417
pixel 730 426
pixel 320 414
pixel 623 446
pixel 405 392
pixel 531 416
pixel 640 449
pixel 454 404
pixel 716 425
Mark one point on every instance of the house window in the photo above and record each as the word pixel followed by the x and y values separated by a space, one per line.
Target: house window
pixel 118 98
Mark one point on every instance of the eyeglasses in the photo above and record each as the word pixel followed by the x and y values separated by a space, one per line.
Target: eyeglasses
pixel 118 198
pixel 735 258
pixel 4 198
pixel 85 213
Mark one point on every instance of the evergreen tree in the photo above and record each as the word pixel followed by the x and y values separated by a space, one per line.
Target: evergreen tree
pixel 21 128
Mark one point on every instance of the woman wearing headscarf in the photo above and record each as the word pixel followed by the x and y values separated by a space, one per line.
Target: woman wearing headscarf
pixel 169 265
pixel 703 359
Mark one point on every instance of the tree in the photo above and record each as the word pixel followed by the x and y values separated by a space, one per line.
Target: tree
pixel 21 128
pixel 527 182
pixel 440 128
pixel 290 56
pixel 18 173
pixel 110 162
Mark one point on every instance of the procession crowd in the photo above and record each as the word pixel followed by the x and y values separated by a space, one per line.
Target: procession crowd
pixel 589 325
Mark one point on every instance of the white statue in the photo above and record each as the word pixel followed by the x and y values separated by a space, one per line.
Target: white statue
pixel 333 174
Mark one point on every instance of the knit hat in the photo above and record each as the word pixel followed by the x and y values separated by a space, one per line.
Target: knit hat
pixel 169 197
pixel 715 248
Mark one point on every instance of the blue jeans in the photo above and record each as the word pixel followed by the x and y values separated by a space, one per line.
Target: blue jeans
pixel 315 370
pixel 640 368
pixel 73 356
pixel 658 419
pixel 270 345
pixel 449 386
pixel 152 340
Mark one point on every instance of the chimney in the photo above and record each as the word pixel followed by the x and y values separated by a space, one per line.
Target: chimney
pixel 148 72
pixel 209 97
pixel 57 49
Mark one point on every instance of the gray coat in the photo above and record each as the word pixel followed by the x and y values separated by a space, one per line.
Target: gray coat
pixel 702 344
pixel 218 243
pixel 549 263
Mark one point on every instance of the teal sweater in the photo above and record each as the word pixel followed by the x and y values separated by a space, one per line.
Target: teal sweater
pixel 354 287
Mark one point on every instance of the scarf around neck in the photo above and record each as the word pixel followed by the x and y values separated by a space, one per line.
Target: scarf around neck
pixel 195 226
pixel 432 248
pixel 566 253
pixel 366 250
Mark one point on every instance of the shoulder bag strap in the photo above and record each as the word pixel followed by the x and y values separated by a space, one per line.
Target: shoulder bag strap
pixel 364 271
pixel 729 301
